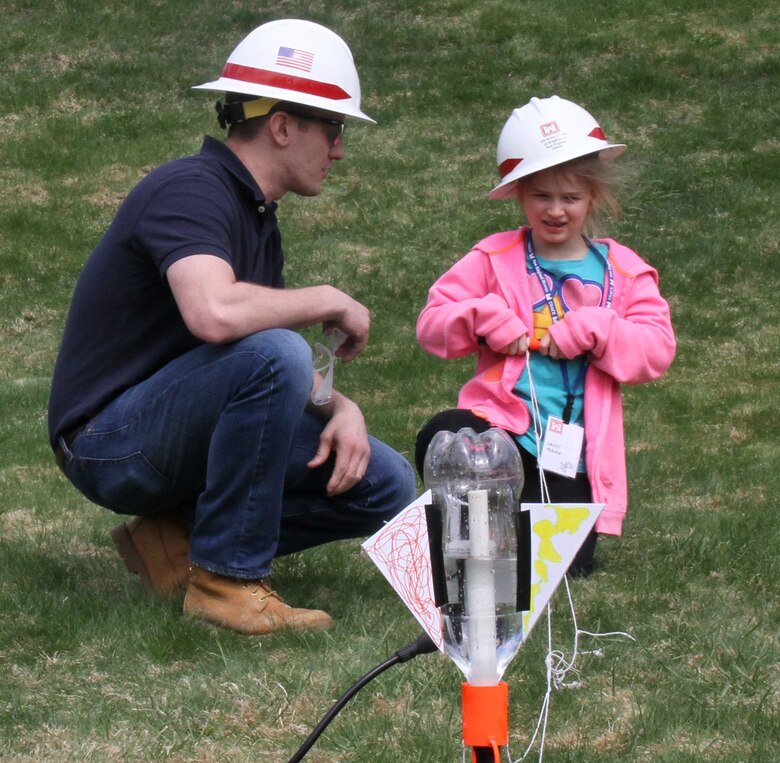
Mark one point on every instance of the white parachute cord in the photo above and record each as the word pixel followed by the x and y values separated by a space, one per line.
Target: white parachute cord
pixel 541 724
pixel 562 666
pixel 557 666
pixel 536 420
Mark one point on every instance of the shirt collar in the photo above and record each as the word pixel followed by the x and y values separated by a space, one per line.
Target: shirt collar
pixel 215 149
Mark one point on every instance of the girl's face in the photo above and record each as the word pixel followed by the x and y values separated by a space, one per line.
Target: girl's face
pixel 556 207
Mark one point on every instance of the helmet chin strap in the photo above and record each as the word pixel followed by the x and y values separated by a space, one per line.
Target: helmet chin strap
pixel 238 112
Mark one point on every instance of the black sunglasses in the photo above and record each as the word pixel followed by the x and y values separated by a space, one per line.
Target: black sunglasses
pixel 335 128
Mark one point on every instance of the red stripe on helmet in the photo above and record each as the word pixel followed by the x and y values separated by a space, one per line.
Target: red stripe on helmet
pixel 597 132
pixel 284 81
pixel 507 166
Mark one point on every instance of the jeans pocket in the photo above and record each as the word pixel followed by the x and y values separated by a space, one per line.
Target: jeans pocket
pixel 127 485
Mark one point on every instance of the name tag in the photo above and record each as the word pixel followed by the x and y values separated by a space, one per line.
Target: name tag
pixel 562 447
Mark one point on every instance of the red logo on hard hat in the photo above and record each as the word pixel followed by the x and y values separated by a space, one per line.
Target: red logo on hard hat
pixel 284 81
pixel 507 166
pixel 550 128
pixel 597 132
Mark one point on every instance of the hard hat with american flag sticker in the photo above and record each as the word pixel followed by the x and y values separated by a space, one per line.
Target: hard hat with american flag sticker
pixel 295 61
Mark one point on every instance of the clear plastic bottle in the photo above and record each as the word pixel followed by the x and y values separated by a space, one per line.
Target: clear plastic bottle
pixel 476 481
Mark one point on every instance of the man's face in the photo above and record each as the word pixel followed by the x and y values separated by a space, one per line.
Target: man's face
pixel 317 143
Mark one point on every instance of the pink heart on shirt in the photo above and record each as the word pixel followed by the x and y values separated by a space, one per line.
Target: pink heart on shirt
pixel 576 294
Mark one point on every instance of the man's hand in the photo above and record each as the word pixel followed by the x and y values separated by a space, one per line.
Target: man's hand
pixel 355 321
pixel 345 435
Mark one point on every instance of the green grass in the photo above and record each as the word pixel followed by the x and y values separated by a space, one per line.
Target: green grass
pixel 96 94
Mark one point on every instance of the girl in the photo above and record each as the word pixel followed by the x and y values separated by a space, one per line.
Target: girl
pixel 553 317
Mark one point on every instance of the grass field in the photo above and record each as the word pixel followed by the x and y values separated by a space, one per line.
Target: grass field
pixel 95 94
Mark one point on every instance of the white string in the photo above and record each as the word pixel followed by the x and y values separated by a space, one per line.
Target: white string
pixel 536 420
pixel 563 666
pixel 541 723
pixel 558 667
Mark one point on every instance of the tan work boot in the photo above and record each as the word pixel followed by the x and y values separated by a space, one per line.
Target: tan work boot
pixel 246 606
pixel 157 550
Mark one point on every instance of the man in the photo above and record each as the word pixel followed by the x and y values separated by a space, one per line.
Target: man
pixel 181 392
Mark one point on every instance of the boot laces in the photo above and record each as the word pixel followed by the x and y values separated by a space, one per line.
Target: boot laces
pixel 262 589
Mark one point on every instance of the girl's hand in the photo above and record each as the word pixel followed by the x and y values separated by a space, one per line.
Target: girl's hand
pixel 516 347
pixel 548 347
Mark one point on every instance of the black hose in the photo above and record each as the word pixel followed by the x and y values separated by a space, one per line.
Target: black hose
pixel 421 645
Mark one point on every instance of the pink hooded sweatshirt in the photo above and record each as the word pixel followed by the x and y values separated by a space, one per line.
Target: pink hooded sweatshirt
pixel 485 296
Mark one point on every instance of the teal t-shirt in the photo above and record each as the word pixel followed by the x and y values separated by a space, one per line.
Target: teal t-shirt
pixel 572 284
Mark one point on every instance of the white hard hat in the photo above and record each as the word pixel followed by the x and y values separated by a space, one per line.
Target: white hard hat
pixel 294 61
pixel 543 133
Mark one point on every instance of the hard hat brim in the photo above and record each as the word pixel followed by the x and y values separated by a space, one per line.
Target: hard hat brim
pixel 228 85
pixel 506 188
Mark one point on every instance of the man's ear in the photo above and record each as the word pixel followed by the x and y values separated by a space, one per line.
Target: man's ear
pixel 279 127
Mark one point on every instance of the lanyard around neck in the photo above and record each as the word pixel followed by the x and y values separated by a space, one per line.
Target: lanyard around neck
pixel 556 316
pixel 548 296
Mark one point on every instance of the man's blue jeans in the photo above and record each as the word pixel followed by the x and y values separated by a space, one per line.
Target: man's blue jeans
pixel 221 434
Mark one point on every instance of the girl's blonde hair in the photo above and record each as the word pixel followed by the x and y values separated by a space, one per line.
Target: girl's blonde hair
pixel 604 180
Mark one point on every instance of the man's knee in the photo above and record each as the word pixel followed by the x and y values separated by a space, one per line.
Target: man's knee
pixel 395 483
pixel 283 354
pixel 406 485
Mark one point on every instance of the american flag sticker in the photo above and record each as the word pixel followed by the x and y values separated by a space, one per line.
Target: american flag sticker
pixel 295 59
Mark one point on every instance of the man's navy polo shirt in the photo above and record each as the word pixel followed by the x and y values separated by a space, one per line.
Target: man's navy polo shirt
pixel 123 323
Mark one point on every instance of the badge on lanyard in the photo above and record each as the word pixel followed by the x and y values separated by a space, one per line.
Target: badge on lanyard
pixel 562 445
